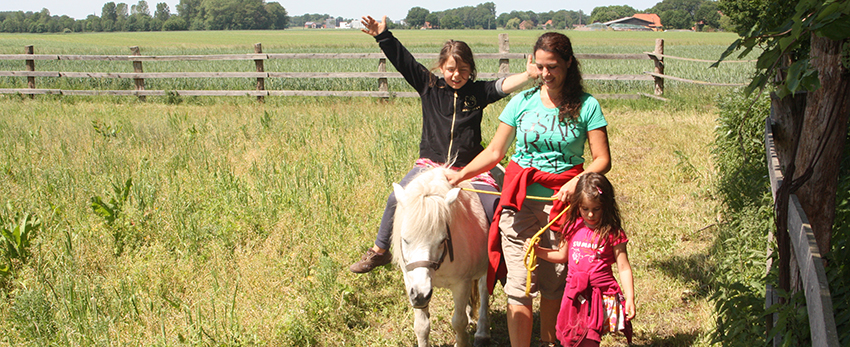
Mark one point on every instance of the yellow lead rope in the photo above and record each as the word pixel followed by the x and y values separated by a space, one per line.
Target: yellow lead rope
pixel 530 257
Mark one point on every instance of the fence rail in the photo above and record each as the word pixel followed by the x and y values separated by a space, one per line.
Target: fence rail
pixel 139 76
pixel 815 285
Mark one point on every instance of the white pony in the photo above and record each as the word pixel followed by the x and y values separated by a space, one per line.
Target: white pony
pixel 440 238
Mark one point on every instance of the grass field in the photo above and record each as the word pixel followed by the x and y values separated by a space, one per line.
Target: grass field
pixel 689 45
pixel 241 218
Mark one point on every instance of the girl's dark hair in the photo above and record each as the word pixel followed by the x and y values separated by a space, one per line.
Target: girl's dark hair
pixel 461 52
pixel 594 186
pixel 572 90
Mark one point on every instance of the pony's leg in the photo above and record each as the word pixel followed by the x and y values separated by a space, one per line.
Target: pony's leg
pixel 422 325
pixel 482 334
pixel 460 294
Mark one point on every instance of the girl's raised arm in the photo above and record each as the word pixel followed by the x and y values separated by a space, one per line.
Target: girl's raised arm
pixel 627 282
pixel 373 27
pixel 513 82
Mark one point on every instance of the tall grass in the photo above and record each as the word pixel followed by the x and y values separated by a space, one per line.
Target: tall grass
pixel 241 218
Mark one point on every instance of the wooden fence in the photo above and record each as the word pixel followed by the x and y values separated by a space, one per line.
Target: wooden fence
pixel 258 57
pixel 809 262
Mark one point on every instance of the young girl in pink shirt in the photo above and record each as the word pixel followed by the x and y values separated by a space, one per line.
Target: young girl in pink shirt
pixel 594 303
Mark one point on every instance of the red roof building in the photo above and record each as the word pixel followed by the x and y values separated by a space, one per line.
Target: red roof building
pixel 650 17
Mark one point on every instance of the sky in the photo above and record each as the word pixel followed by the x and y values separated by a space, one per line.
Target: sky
pixel 395 10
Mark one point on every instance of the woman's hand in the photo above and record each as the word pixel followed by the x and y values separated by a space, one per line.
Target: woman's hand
pixel 454 177
pixel 566 190
pixel 373 27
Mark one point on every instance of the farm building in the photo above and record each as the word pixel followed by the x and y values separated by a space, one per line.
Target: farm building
pixel 652 17
pixel 638 22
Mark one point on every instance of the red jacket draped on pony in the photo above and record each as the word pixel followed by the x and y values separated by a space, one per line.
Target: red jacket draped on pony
pixel 517 179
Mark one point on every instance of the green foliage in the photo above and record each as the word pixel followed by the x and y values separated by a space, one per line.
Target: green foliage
pixel 33 316
pixel 17 236
pixel 838 259
pixel 105 130
pixel 791 38
pixel 114 211
pixel 604 14
pixel 747 216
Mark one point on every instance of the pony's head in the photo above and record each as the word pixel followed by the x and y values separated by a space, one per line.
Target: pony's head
pixel 421 235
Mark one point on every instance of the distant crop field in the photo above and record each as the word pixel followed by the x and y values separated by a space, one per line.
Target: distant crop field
pixel 706 46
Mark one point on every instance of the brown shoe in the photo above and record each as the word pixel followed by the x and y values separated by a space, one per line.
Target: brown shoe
pixel 371 260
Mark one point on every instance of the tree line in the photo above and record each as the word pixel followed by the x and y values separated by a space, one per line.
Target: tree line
pixel 258 14
pixel 191 15
pixel 674 14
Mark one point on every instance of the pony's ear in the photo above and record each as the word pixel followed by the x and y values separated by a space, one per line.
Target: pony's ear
pixel 451 196
pixel 399 192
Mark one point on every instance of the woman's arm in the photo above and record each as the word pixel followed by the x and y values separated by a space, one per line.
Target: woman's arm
pixel 513 82
pixel 488 158
pixel 600 152
pixel 627 282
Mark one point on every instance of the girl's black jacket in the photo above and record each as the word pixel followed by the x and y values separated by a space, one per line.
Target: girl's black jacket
pixel 451 119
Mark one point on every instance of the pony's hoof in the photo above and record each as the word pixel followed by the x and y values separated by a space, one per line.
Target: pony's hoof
pixel 481 341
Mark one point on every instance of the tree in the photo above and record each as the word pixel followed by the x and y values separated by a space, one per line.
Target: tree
pixel 108 12
pixel 141 8
pixel 190 10
pixel 708 14
pixel 513 23
pixel 450 22
pixel 121 11
pixel 277 15
pixel 175 23
pixel 806 50
pixel 676 19
pixel 689 6
pixel 162 12
pixel 433 18
pixel 604 14
pixel 416 17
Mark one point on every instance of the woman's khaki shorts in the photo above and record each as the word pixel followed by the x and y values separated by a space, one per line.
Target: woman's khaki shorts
pixel 516 227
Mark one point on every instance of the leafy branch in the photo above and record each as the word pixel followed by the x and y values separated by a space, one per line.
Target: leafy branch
pixel 829 19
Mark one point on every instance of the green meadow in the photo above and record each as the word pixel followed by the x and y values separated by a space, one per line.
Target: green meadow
pixel 222 221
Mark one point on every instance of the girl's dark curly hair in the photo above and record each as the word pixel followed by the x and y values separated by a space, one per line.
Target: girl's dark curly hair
pixel 573 89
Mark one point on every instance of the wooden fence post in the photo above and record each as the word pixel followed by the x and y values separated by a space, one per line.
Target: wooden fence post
pixel 30 67
pixel 261 82
pixel 504 47
pixel 137 68
pixel 659 66
pixel 383 85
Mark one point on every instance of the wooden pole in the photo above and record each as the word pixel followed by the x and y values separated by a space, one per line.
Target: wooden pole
pixel 659 66
pixel 383 85
pixel 261 82
pixel 504 47
pixel 30 67
pixel 137 67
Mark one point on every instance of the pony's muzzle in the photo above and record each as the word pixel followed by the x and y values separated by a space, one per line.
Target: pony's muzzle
pixel 420 300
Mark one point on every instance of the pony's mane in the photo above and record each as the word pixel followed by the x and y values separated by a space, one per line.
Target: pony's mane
pixel 424 211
